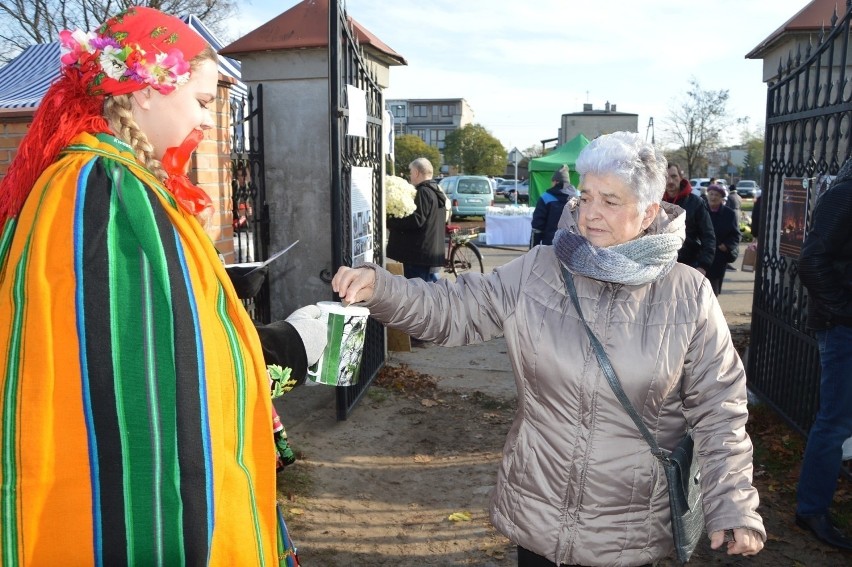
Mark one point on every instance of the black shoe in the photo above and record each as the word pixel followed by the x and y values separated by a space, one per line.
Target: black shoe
pixel 731 268
pixel 825 530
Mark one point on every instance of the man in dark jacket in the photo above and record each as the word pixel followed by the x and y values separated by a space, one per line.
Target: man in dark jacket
pixel 699 248
pixel 418 239
pixel 549 208
pixel 825 269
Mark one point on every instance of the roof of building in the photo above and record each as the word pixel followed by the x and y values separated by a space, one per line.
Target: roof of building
pixel 304 26
pixel 812 18
pixel 599 112
pixel 25 79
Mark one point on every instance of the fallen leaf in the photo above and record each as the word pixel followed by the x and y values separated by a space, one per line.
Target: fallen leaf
pixel 460 517
pixel 297 511
pixel 428 403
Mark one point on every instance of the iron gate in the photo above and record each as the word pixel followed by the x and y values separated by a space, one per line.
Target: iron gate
pixel 347 66
pixel 808 123
pixel 248 192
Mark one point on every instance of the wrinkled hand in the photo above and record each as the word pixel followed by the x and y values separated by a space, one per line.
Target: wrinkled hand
pixel 746 542
pixel 313 330
pixel 354 285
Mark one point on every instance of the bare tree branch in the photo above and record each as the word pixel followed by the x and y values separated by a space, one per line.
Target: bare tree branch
pixel 27 22
pixel 697 121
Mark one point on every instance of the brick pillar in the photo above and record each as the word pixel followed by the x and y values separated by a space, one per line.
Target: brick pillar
pixel 12 131
pixel 211 170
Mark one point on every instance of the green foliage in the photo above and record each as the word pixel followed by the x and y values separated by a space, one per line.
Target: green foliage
pixel 407 148
pixel 754 145
pixel 474 151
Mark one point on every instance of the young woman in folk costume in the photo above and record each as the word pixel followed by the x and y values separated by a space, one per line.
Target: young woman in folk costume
pixel 134 396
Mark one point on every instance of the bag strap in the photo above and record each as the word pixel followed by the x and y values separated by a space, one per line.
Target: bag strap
pixel 609 371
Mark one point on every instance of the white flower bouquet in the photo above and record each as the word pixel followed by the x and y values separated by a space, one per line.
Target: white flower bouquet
pixel 399 196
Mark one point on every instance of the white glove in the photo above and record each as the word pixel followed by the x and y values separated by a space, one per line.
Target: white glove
pixel 312 329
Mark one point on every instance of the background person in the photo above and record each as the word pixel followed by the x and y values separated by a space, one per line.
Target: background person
pixel 699 248
pixel 734 202
pixel 418 239
pixel 140 427
pixel 726 230
pixel 825 269
pixel 548 209
pixel 578 485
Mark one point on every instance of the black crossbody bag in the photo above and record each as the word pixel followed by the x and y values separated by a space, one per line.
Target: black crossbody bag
pixel 682 473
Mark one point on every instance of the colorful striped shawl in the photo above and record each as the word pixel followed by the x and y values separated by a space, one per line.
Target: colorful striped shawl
pixel 135 416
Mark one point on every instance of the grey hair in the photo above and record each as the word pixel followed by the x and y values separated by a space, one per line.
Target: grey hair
pixel 631 159
pixel 422 165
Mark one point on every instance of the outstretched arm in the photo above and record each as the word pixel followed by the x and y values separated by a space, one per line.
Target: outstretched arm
pixel 354 285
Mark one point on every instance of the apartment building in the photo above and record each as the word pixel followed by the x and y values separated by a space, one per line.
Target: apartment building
pixel 594 122
pixel 430 118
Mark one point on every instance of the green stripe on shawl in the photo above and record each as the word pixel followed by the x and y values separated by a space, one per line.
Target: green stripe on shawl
pixel 9 463
pixel 145 393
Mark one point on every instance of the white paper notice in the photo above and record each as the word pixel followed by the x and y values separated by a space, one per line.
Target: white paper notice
pixel 357 101
pixel 362 215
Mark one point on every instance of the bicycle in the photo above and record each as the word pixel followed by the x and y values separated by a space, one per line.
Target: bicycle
pixel 462 254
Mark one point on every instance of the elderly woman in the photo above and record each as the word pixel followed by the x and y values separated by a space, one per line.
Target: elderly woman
pixel 578 485
pixel 727 230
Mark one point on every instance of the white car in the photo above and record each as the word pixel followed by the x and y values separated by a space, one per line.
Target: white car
pixel 523 191
pixel 748 188
pixel 700 185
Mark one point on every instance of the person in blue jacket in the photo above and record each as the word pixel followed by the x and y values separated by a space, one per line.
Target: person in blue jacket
pixel 548 210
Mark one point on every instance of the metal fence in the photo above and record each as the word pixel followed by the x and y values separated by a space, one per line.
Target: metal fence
pixel 347 66
pixel 808 124
pixel 248 192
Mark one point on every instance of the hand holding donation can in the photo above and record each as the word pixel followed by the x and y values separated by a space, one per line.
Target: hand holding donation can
pixel 340 362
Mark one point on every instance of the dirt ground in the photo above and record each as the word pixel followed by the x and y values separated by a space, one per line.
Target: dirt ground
pixel 405 482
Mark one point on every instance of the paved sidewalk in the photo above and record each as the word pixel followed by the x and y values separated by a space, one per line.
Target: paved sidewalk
pixel 485 367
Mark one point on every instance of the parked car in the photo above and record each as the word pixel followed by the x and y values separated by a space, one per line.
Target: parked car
pixel 700 185
pixel 504 186
pixel 748 188
pixel 470 195
pixel 523 192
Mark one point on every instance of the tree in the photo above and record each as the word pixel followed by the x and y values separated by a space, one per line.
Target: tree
pixel 475 151
pixel 27 22
pixel 696 123
pixel 753 144
pixel 533 151
pixel 408 147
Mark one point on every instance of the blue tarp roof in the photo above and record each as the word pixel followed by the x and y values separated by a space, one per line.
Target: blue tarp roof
pixel 25 79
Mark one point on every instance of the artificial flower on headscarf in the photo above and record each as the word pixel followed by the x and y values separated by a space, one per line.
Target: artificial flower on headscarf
pixel 137 48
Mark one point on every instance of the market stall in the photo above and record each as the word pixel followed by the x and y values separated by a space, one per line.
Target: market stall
pixel 508 225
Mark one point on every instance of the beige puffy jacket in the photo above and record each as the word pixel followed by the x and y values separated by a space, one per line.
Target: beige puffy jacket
pixel 578 483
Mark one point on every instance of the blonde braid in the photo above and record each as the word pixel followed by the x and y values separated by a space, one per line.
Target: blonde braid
pixel 118 112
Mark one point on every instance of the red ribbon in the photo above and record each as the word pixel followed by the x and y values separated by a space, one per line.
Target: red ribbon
pixel 175 161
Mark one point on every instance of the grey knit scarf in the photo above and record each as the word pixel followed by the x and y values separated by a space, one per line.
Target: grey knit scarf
pixel 636 262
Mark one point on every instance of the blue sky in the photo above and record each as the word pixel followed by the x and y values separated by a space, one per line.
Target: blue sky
pixel 521 65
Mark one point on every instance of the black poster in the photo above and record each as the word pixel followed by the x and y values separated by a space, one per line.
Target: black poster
pixel 794 214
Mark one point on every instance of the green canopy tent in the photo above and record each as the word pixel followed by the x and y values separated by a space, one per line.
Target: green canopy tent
pixel 541 168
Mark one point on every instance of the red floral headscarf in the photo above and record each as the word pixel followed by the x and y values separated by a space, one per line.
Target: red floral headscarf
pixel 138 48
